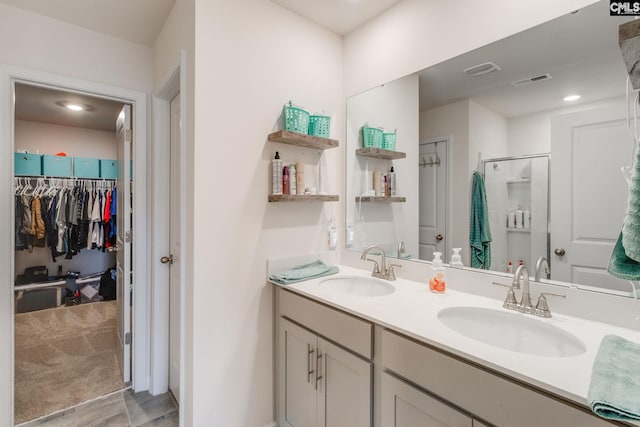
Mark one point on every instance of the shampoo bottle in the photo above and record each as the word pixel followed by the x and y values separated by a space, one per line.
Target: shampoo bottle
pixel 285 180
pixel 392 181
pixel 299 178
pixel 511 219
pixel 276 175
pixel 437 282
pixel 456 258
pixel 526 220
pixel 292 180
pixel 519 217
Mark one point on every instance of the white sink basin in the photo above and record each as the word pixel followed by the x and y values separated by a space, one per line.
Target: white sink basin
pixel 512 331
pixel 359 286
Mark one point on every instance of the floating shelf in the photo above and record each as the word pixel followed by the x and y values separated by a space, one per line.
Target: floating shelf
pixel 302 140
pixel 303 198
pixel 379 153
pixel 519 230
pixel 394 199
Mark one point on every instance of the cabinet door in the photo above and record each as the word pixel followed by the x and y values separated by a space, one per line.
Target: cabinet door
pixel 407 406
pixel 297 403
pixel 477 423
pixel 344 387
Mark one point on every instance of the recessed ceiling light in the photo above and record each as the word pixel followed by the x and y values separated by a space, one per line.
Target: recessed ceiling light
pixel 571 98
pixel 75 107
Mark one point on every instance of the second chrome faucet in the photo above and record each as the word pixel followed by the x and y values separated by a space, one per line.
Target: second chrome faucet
pixel 380 271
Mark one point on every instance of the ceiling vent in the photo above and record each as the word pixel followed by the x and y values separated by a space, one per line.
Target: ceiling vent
pixel 529 80
pixel 482 69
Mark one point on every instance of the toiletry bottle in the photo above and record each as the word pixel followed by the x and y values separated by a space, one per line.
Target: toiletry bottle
pixel 526 220
pixel 521 262
pixel 437 282
pixel 387 187
pixel 519 215
pixel 376 184
pixel 276 175
pixel 511 219
pixel 285 180
pixel 509 267
pixel 299 178
pixel 293 184
pixel 392 181
pixel 456 258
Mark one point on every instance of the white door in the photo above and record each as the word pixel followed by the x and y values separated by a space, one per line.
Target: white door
pixel 433 199
pixel 174 250
pixel 588 194
pixel 123 256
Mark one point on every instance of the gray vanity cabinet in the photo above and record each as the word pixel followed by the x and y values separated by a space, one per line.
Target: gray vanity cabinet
pixel 320 382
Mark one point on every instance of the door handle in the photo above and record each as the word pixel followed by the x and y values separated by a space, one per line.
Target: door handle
pixel 439 237
pixel 310 371
pixel 559 251
pixel 318 376
pixel 167 259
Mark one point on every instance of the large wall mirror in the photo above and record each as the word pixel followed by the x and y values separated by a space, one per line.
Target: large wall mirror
pixel 554 162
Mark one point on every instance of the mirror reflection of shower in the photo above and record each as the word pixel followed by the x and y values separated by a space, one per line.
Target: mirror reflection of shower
pixel 517 191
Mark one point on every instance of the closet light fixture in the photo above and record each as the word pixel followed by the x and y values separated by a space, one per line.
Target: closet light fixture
pixel 571 98
pixel 73 106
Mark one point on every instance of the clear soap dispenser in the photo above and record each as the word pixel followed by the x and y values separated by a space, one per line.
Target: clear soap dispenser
pixel 437 282
pixel 456 258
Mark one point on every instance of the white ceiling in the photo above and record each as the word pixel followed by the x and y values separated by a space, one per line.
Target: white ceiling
pixel 39 104
pixel 579 50
pixel 339 16
pixel 138 21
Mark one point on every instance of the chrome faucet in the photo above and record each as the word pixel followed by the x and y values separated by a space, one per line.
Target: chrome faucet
pixel 382 271
pixel 401 249
pixel 525 305
pixel 539 263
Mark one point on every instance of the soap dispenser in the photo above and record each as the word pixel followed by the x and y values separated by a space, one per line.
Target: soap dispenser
pixel 456 258
pixel 437 282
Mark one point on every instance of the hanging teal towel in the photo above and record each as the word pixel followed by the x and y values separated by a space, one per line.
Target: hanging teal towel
pixel 620 265
pixel 303 272
pixel 614 392
pixel 479 231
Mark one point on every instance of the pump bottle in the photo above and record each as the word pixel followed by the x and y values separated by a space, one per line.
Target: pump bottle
pixel 456 258
pixel 437 282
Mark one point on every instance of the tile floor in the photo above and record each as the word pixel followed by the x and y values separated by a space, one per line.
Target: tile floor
pixel 121 409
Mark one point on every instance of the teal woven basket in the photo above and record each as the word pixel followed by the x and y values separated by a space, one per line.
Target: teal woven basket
pixel 371 137
pixel 319 126
pixel 389 141
pixel 296 119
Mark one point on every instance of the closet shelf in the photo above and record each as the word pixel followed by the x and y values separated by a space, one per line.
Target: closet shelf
pixel 303 198
pixel 302 140
pixel 382 199
pixel 379 153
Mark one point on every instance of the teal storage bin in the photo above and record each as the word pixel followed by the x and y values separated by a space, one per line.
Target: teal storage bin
pixel 109 169
pixel 27 164
pixel 58 166
pixel 86 168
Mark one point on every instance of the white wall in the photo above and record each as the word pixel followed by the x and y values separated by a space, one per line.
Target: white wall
pixel 488 134
pixel 416 34
pixel 392 106
pixel 252 57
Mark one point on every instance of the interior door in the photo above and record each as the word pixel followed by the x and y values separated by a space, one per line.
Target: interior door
pixel 123 255
pixel 433 199
pixel 588 194
pixel 175 250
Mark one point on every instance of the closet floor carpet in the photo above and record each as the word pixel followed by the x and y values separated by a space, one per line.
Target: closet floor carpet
pixel 64 356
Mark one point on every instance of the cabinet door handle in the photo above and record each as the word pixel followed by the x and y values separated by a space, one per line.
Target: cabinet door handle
pixel 318 376
pixel 310 371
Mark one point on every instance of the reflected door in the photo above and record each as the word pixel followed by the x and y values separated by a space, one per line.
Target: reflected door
pixel 589 194
pixel 433 199
pixel 175 243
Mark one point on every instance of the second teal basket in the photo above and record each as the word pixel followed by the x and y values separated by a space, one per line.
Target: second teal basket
pixel 319 126
pixel 389 141
pixel 371 137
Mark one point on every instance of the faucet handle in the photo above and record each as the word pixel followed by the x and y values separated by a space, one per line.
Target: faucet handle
pixel 391 273
pixel 376 267
pixel 542 308
pixel 510 301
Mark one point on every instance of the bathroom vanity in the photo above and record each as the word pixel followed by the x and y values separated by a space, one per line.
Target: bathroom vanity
pixel 378 353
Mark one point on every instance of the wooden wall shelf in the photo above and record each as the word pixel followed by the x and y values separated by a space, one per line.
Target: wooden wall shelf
pixel 379 153
pixel 304 198
pixel 394 199
pixel 302 140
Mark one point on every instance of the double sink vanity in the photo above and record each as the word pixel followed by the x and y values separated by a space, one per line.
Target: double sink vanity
pixel 354 350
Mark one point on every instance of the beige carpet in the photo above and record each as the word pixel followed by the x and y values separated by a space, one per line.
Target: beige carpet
pixel 64 356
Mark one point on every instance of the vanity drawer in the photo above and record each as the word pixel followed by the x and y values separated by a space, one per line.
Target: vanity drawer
pixel 499 400
pixel 342 328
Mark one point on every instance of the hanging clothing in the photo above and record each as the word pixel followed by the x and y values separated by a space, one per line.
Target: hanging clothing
pixel 479 231
pixel 37 231
pixel 21 238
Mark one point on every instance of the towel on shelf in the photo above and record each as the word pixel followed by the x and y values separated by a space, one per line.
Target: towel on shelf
pixel 303 272
pixel 614 392
pixel 620 265
pixel 479 231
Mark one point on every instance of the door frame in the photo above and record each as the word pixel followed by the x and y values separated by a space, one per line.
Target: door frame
pixel 140 317
pixel 174 84
pixel 448 218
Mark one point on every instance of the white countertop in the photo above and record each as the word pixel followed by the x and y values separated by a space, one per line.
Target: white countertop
pixel 412 310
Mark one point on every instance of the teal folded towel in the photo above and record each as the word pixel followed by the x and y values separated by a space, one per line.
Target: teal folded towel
pixel 620 265
pixel 303 272
pixel 614 392
pixel 479 231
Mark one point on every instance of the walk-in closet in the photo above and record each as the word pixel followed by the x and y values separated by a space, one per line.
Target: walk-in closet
pixel 67 347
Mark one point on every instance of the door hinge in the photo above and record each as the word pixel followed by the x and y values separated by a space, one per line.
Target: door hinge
pixel 127 338
pixel 128 236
